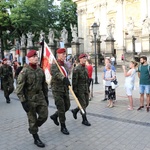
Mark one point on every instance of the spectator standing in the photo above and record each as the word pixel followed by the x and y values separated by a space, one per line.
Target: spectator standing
pixel 19 68
pixel 107 61
pixel 69 66
pixel 144 75
pixel 90 71
pixel 110 93
pixel 122 57
pixel 129 82
pixel 112 60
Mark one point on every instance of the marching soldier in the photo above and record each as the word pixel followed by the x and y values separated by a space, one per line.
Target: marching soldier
pixel 33 93
pixel 7 79
pixel 81 87
pixel 60 90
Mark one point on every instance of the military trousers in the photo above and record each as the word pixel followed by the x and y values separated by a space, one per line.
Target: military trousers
pixel 37 115
pixel 83 99
pixel 8 87
pixel 62 102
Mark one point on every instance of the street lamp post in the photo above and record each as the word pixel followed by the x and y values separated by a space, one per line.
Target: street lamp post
pixel 95 28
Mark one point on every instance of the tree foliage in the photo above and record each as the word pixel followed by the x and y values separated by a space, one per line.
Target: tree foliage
pixel 67 15
pixel 34 16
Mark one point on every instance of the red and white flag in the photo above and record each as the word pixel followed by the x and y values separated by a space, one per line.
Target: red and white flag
pixel 46 62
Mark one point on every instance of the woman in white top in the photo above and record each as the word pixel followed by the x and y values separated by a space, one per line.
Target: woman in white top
pixel 108 77
pixel 129 82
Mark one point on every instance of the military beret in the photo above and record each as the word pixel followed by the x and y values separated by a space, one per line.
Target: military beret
pixel 82 56
pixel 31 53
pixel 5 59
pixel 61 50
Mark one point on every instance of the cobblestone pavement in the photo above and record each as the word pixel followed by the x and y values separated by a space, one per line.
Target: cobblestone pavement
pixel 112 128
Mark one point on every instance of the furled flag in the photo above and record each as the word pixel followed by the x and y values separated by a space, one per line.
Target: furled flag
pixel 47 59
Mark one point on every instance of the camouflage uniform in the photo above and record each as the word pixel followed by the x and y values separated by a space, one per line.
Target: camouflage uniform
pixel 7 80
pixel 81 89
pixel 80 85
pixel 60 93
pixel 32 88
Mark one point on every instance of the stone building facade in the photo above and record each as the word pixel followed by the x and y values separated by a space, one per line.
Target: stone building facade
pixel 128 17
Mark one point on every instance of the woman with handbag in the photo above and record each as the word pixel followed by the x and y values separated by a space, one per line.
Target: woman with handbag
pixel 129 82
pixel 107 61
pixel 109 76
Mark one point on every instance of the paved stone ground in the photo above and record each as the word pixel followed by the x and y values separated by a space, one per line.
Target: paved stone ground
pixel 112 128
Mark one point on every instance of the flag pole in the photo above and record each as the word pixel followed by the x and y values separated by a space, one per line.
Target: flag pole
pixel 42 43
pixel 72 92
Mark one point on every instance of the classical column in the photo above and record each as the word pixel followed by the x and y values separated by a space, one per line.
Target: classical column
pixel 97 12
pixel 81 29
pixel 79 12
pixel 148 7
pixel 144 9
pixel 103 25
pixel 84 28
pixel 103 16
pixel 119 31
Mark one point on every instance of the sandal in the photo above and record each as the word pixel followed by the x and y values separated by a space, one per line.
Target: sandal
pixel 111 106
pixel 108 105
pixel 140 107
pixel 129 108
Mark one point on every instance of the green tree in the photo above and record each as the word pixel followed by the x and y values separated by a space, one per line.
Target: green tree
pixel 67 16
pixel 5 24
pixel 34 16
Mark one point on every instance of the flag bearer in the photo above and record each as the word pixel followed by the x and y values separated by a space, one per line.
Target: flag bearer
pixel 60 90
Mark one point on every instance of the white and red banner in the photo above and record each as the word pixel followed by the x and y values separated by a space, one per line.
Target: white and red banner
pixel 47 60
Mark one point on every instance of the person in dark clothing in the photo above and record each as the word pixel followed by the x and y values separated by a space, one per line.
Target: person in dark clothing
pixel 19 68
pixel 6 75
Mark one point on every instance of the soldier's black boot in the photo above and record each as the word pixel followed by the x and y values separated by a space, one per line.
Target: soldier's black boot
pixel 54 117
pixel 37 141
pixel 85 121
pixel 7 99
pixel 64 129
pixel 75 111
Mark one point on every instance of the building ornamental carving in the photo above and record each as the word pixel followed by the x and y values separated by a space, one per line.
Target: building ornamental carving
pixel 120 20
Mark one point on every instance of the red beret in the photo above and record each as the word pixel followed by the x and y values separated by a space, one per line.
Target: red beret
pixel 61 50
pixel 82 55
pixel 31 53
pixel 5 59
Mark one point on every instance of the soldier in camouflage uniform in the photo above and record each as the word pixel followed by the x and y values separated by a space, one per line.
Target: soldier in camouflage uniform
pixel 32 91
pixel 59 85
pixel 81 88
pixel 7 79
